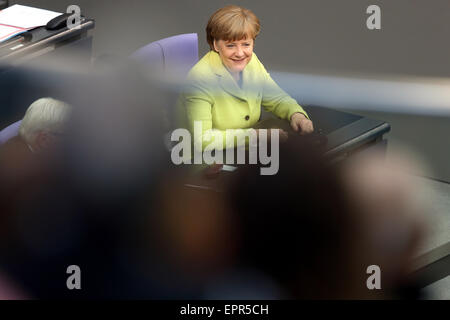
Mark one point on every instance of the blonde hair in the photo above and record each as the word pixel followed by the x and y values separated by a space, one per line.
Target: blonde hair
pixel 232 23
pixel 45 114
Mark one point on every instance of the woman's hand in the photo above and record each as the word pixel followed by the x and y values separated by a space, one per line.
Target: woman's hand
pixel 301 124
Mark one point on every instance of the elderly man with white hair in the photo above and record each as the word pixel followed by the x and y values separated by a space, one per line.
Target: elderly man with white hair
pixel 43 123
pixel 41 127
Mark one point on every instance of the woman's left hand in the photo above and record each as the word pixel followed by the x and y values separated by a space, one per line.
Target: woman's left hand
pixel 301 124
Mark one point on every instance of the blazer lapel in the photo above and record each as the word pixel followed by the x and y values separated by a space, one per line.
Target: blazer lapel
pixel 226 80
pixel 252 85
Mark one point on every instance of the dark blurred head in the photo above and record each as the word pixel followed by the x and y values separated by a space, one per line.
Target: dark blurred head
pixel 301 227
pixel 292 221
pixel 93 206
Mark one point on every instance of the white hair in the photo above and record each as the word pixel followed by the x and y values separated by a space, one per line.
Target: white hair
pixel 45 114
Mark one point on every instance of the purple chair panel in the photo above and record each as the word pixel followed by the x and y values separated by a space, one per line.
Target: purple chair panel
pixel 175 55
pixel 152 54
pixel 9 132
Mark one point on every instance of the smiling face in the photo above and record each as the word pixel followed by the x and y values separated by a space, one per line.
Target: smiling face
pixel 235 55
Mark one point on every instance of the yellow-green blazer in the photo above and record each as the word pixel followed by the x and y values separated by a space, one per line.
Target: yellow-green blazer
pixel 214 98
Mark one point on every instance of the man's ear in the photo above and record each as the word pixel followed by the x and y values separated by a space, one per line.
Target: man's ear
pixel 215 45
pixel 43 140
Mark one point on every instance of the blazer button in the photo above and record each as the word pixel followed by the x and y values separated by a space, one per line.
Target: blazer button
pixel 247 118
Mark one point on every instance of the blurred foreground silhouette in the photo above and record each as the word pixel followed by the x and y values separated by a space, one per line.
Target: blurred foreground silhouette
pixel 109 200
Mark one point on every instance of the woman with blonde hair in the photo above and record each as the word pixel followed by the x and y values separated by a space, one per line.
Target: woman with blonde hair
pixel 227 87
